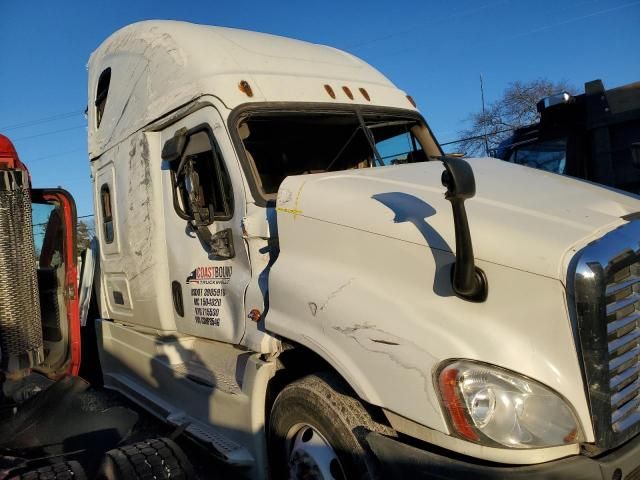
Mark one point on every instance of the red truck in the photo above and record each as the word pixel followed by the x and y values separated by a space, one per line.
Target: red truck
pixel 51 425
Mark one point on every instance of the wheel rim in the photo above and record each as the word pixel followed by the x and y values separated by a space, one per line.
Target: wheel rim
pixel 311 456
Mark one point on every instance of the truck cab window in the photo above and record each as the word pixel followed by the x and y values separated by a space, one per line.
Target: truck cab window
pixel 202 187
pixel 399 148
pixel 284 144
pixel 101 94
pixel 549 155
pixel 107 213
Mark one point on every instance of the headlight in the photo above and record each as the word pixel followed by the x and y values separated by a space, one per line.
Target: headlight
pixel 496 407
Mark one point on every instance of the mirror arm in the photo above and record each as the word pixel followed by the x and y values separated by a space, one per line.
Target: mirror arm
pixel 469 282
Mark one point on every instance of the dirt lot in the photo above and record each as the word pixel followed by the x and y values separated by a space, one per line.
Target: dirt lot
pixel 58 433
pixel 207 466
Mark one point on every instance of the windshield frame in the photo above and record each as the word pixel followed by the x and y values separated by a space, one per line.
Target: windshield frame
pixel 239 113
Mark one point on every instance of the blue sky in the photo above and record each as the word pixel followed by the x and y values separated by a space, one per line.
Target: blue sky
pixel 432 49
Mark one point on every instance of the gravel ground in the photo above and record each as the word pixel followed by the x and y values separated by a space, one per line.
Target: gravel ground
pixel 206 466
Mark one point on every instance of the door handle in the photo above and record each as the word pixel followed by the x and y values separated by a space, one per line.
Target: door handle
pixel 176 294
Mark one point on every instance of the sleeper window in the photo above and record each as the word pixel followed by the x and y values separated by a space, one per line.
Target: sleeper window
pixel 101 94
pixel 107 213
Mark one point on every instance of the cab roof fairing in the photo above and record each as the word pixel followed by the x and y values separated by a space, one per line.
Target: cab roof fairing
pixel 158 66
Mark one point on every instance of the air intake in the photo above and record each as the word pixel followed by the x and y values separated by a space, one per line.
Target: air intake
pixel 20 325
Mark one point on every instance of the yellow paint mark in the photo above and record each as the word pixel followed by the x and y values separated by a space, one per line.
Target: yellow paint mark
pixel 296 209
pixel 300 192
pixel 293 211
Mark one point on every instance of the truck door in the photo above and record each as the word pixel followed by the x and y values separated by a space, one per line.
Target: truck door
pixel 54 231
pixel 204 206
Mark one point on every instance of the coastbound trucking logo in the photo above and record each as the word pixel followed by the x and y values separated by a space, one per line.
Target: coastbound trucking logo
pixel 207 275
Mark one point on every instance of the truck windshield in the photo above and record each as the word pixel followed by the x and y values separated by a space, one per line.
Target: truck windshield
pixel 283 144
pixel 549 155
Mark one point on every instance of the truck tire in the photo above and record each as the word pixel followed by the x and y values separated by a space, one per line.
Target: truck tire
pixel 317 430
pixel 154 459
pixel 71 470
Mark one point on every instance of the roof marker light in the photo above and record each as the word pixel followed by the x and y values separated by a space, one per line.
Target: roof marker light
pixel 347 90
pixel 412 101
pixel 245 88
pixel 330 91
pixel 365 94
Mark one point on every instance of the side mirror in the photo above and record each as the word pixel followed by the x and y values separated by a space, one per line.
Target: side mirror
pixel 635 154
pixel 192 195
pixel 201 211
pixel 458 178
pixel 469 282
pixel 173 149
pixel 186 181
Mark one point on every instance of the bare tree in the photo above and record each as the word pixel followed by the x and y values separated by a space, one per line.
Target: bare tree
pixel 85 231
pixel 516 108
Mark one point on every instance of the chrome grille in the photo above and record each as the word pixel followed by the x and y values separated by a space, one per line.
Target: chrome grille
pixel 623 341
pixel 603 286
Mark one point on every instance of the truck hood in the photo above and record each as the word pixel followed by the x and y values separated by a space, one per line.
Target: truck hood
pixel 520 217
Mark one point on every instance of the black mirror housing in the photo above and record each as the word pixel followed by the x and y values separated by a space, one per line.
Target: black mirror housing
pixel 458 178
pixel 173 148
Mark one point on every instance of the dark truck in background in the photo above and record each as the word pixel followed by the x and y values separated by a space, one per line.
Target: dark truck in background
pixel 594 136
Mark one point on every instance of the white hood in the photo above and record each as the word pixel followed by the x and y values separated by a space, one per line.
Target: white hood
pixel 520 217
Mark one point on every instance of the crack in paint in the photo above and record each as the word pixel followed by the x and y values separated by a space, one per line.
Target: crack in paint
pixel 314 308
pixel 384 342
pixel 335 293
pixel 360 328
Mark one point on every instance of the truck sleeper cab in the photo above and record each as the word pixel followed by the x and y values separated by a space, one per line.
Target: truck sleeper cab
pixel 275 271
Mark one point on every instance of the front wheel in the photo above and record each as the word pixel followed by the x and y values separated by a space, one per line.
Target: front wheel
pixel 317 431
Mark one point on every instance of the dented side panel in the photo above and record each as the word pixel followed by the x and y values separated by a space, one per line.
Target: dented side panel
pixel 134 273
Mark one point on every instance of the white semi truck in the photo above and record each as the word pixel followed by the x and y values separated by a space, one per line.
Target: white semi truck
pixel 290 272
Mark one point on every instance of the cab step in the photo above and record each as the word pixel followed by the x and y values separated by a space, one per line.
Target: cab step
pixel 225 449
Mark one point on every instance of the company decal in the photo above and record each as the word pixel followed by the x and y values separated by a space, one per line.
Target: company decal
pixel 207 289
